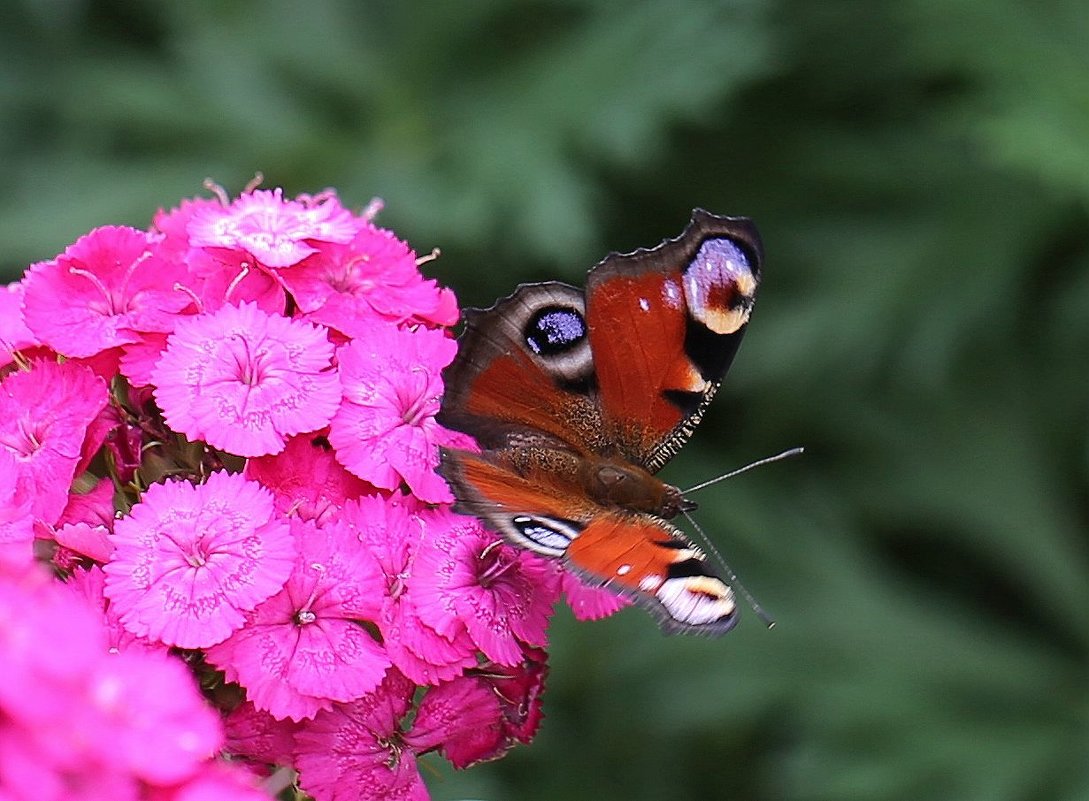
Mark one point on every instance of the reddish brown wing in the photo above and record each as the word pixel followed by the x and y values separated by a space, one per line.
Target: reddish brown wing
pixel 637 555
pixel 664 325
pixel 523 373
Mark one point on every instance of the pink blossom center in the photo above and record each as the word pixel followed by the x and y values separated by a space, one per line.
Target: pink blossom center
pixel 413 397
pixel 250 367
pixel 396 586
pixel 305 616
pixel 491 565
pixel 116 302
pixel 27 440
pixel 393 745
pixel 196 554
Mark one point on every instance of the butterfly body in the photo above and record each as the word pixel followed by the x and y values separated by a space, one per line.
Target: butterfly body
pixel 577 398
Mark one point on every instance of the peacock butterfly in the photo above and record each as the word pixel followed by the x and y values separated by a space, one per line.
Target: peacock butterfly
pixel 577 398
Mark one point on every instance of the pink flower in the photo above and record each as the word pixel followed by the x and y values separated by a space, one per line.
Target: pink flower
pixel 589 603
pixel 347 286
pixel 214 781
pixel 233 277
pixel 14 335
pixel 277 232
pixel 385 430
pixel 306 479
pixel 90 586
pixel 259 737
pixel 391 530
pixel 94 507
pixel 45 414
pixel 304 647
pixel 16 519
pixel 101 292
pixel 190 561
pixel 48 639
pixel 82 540
pixel 172 227
pixel 356 750
pixel 243 380
pixel 519 689
pixel 466 576
pixel 144 711
pixel 461 719
pixel 479 716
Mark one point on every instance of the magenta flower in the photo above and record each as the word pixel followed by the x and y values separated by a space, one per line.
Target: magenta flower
pixel 589 603
pixel 391 530
pixel 76 720
pixel 214 781
pixel 233 277
pixel 14 335
pixel 304 648
pixel 277 232
pixel 385 430
pixel 144 711
pixel 356 750
pixel 347 286
pixel 243 380
pixel 104 290
pixel 190 561
pixel 461 719
pixel 82 541
pixel 306 479
pixel 466 576
pixel 90 586
pixel 259 737
pixel 16 518
pixel 48 638
pixel 45 414
pixel 479 716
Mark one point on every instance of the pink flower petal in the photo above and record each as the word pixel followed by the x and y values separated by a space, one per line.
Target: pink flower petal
pixel 391 529
pixel 145 712
pixel 258 736
pixel 589 603
pixel 14 334
pixel 462 719
pixel 373 277
pixel 191 560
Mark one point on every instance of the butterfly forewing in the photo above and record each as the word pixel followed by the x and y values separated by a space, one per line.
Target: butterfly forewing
pixel 664 325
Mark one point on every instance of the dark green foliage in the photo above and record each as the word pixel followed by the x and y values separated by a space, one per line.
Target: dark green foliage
pixel 920 172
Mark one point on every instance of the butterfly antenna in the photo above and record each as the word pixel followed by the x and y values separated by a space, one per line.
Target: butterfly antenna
pixel 784 455
pixel 731 576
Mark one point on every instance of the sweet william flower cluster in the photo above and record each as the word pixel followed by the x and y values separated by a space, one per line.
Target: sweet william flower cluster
pixel 227 564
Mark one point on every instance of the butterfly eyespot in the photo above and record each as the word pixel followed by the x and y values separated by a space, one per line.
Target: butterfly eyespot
pixel 554 330
pixel 719 286
pixel 545 535
pixel 697 600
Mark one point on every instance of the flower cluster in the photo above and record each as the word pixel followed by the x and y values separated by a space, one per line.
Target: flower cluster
pixel 220 435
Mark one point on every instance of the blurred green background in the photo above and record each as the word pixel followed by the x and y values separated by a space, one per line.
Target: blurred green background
pixel 919 170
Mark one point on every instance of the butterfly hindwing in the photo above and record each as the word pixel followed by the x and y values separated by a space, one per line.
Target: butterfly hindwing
pixel 637 555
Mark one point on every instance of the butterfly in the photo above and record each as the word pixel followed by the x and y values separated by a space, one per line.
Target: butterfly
pixel 577 398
